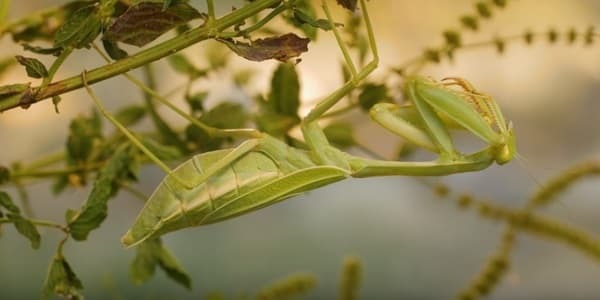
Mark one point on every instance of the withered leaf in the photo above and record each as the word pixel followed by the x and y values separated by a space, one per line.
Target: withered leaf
pixel 282 47
pixel 348 4
pixel 146 21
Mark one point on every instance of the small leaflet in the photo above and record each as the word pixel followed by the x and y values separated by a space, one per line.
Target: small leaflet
pixel 80 29
pixel 33 67
pixel 348 4
pixel 146 21
pixel 61 280
pixel 282 47
pixel 152 253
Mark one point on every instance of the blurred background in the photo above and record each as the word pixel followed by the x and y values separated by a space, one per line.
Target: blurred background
pixel 413 246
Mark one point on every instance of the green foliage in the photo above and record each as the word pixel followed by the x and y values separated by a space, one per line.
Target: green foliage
pixel 61 280
pixel 151 254
pixel 94 211
pixel 34 68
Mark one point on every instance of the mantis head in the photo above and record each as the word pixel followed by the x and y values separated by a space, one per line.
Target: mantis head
pixel 507 151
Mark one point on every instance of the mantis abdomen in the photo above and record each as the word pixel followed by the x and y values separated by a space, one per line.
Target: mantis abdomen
pixel 259 178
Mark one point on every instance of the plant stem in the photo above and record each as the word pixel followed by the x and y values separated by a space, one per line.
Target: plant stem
pixel 143 57
pixel 41 223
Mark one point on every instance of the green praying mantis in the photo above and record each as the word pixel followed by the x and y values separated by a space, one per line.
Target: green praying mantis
pixel 218 185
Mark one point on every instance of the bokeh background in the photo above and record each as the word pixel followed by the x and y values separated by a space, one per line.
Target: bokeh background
pixel 413 245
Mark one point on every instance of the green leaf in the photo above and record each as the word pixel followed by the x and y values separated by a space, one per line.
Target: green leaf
pixel 80 29
pixel 340 134
pixel 34 68
pixel 304 17
pixel 183 66
pixel 282 47
pixel 150 254
pixel 42 50
pixel 285 91
pixel 8 204
pixel 130 115
pixel 113 50
pixel 348 4
pixel 6 63
pixel 94 210
pixel 164 152
pixel 196 101
pixel 372 94
pixel 4 174
pixel 61 280
pixel 82 132
pixel 225 115
pixel 26 228
pixel 146 21
pixel 275 124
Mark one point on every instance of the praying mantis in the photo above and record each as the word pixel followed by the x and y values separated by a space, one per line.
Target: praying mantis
pixel 218 185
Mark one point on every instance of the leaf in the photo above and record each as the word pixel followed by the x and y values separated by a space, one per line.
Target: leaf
pixel 164 152
pixel 348 4
pixel 285 91
pixel 26 228
pixel 82 132
pixel 61 280
pixel 130 115
pixel 94 210
pixel 150 254
pixel 196 101
pixel 113 50
pixel 80 29
pixel 225 115
pixel 304 17
pixel 8 204
pixel 183 66
pixel 34 68
pixel 282 47
pixel 144 22
pixel 4 174
pixel 340 134
pixel 41 50
pixel 371 94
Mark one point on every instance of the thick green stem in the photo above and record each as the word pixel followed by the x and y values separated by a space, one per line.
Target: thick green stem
pixel 143 57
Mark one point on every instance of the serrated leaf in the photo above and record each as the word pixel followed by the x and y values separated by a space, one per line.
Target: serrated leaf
pixel 348 4
pixel 8 204
pixel 95 208
pixel 146 21
pixel 61 280
pixel 282 47
pixel 182 65
pixel 113 50
pixel 371 94
pixel 34 68
pixel 150 254
pixel 80 29
pixel 130 115
pixel 285 91
pixel 26 228
pixel 340 134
